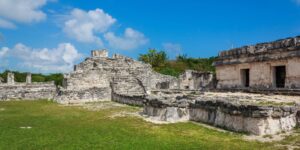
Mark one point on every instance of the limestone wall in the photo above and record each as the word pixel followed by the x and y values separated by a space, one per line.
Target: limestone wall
pixel 261 74
pixel 228 113
pixel 24 91
pixel 194 80
pixel 258 120
pixel 95 94
pixel 260 59
pixel 128 100
pixel 228 76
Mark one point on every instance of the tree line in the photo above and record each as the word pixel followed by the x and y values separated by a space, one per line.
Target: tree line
pixel 162 64
pixel 35 77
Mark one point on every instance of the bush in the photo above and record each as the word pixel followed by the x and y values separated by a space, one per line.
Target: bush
pixel 160 63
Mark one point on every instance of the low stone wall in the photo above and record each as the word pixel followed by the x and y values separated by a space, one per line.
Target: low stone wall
pixel 83 96
pixel 258 120
pixel 25 91
pixel 129 100
pixel 159 108
pixel 227 114
pixel 169 114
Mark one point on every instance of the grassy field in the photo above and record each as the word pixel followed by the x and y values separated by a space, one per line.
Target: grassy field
pixel 47 125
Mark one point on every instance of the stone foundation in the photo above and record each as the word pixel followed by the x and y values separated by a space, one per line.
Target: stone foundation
pixel 258 120
pixel 169 114
pixel 230 114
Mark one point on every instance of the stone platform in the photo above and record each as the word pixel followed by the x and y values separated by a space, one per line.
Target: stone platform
pixel 251 113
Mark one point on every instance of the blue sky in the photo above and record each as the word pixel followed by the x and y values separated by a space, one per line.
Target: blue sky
pixel 52 35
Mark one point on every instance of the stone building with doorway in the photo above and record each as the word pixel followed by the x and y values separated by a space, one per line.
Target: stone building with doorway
pixel 272 65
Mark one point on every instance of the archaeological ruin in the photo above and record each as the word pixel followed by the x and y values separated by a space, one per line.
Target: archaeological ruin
pixel 195 80
pixel 264 66
pixel 12 90
pixel 100 78
pixel 194 96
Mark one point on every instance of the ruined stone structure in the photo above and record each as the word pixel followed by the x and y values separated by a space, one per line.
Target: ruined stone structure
pixel 273 65
pixel 165 98
pixel 26 91
pixel 96 78
pixel 124 80
pixel 195 80
pixel 241 112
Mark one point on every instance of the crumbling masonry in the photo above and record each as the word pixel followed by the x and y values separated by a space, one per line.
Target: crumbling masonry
pixel 26 91
pixel 100 78
pixel 264 66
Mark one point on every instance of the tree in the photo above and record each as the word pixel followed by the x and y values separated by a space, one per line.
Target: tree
pixel 154 58
pixel 161 63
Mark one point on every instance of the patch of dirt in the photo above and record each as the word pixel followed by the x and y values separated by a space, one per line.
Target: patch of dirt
pixel 2 109
pixel 157 121
pixel 269 138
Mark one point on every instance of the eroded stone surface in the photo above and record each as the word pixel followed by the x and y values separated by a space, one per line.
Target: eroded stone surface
pixel 124 77
pixel 261 61
pixel 195 80
pixel 23 91
pixel 223 111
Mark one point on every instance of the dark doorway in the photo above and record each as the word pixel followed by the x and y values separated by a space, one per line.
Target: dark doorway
pixel 280 74
pixel 245 76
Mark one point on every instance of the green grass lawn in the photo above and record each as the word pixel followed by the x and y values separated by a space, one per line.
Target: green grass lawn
pixel 58 127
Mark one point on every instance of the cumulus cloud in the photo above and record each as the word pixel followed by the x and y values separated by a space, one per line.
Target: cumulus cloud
pixel 85 25
pixel 130 40
pixel 60 59
pixel 172 49
pixel 6 24
pixel 3 51
pixel 21 11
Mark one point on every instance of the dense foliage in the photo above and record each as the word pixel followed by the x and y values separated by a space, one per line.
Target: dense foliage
pixel 36 77
pixel 162 64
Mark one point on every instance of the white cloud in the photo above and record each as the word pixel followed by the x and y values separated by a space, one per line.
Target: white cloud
pixel 22 11
pixel 84 26
pixel 130 40
pixel 60 59
pixel 6 24
pixel 3 51
pixel 172 49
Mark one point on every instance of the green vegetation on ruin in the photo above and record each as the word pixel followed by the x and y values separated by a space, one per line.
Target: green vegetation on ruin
pixel 47 125
pixel 162 64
